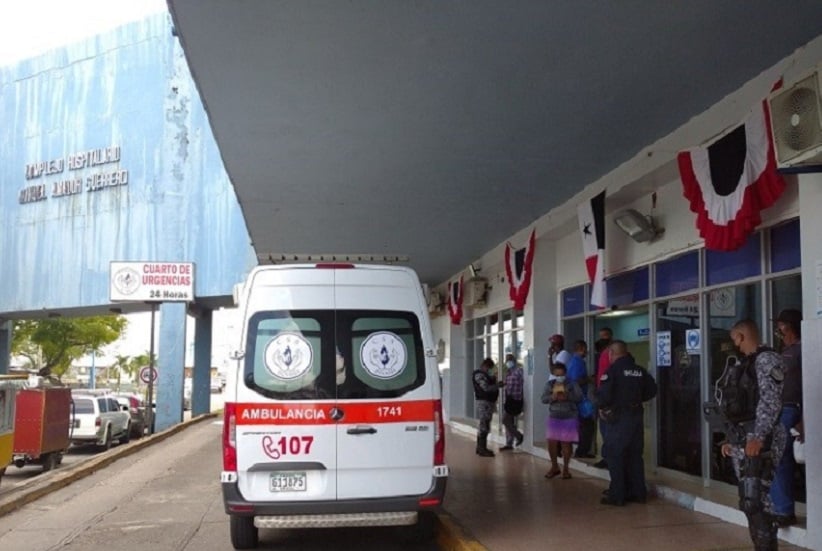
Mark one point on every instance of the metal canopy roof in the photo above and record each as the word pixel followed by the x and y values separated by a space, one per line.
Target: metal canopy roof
pixel 437 129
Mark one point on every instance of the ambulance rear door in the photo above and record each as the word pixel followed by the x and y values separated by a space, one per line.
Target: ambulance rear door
pixel 286 394
pixel 386 396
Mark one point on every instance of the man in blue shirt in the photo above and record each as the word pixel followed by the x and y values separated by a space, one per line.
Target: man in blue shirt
pixel 578 373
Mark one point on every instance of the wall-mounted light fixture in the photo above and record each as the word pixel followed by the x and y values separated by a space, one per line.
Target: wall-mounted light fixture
pixel 637 226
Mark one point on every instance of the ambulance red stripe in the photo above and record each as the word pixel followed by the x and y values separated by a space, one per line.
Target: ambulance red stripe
pixel 320 413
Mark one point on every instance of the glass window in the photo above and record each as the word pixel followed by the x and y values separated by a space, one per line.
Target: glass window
pixel 680 398
pixel 507 322
pixel 727 306
pixel 628 288
pixel 786 293
pixel 286 355
pixel 325 354
pixel 493 323
pixel 573 301
pixel 677 275
pixel 387 355
pixel 727 266
pixel 573 330
pixel 82 405
pixel 102 403
pixel 785 248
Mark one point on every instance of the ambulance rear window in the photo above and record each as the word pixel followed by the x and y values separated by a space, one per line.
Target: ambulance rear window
pixel 326 354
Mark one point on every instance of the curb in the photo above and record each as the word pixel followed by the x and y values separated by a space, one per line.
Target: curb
pixel 23 496
pixel 452 537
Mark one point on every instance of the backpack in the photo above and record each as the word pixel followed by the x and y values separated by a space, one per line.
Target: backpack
pixel 737 391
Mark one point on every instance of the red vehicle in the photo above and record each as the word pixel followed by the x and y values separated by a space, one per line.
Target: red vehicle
pixel 42 421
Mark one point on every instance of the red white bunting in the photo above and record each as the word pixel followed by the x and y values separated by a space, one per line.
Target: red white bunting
pixel 731 180
pixel 518 268
pixel 455 301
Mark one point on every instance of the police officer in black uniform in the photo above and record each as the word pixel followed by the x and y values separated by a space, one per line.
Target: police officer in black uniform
pixel 620 396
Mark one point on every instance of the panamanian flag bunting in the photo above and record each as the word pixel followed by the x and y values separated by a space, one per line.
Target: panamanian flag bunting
pixel 728 182
pixel 455 301
pixel 591 216
pixel 518 268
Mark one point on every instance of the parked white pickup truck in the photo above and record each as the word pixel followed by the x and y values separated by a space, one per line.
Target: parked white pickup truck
pixel 100 420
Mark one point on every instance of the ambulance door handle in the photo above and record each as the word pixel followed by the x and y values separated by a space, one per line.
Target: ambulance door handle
pixel 362 430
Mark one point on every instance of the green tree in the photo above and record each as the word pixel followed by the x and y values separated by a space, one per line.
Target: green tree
pixel 121 365
pixel 52 344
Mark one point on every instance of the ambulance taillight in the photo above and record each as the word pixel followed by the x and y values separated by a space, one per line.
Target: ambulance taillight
pixel 230 437
pixel 439 434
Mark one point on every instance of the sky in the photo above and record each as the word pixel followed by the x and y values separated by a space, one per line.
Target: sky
pixel 29 28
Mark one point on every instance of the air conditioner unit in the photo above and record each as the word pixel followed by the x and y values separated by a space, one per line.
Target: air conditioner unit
pixel 796 124
pixel 474 291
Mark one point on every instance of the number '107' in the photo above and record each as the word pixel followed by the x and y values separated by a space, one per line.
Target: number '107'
pixel 294 445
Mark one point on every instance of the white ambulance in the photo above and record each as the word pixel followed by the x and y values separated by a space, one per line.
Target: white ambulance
pixel 333 413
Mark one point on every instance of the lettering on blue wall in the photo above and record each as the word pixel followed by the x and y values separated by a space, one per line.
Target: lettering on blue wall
pixel 76 183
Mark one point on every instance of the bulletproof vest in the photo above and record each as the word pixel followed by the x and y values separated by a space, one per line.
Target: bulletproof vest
pixel 739 390
pixel 480 394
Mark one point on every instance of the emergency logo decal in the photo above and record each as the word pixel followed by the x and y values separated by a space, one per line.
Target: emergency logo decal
pixel 126 281
pixel 383 355
pixel 288 356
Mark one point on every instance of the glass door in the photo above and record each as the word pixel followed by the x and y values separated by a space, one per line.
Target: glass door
pixel 727 306
pixel 679 400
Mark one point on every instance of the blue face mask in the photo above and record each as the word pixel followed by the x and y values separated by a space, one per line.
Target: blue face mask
pixel 560 378
pixel 510 364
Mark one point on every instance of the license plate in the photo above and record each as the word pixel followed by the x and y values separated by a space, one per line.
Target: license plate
pixel 288 482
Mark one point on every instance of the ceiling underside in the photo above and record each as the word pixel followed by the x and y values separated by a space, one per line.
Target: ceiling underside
pixel 436 130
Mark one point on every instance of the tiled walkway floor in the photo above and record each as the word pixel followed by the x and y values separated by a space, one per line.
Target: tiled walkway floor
pixel 507 505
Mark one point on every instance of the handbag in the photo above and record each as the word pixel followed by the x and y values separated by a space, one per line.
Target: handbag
pixel 586 408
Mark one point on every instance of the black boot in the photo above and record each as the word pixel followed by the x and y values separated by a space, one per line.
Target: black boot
pixel 482 446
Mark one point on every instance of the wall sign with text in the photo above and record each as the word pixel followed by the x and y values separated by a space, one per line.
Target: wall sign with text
pixel 151 281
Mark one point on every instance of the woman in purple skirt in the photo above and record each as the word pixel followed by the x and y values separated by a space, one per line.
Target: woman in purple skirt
pixel 562 427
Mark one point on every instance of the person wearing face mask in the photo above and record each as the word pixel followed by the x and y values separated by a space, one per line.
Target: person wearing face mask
pixel 562 428
pixel 513 404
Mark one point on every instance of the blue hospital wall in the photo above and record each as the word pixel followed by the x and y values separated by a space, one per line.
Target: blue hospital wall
pixel 107 155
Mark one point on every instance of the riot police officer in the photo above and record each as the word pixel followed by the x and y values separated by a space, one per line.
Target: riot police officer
pixel 486 392
pixel 751 406
pixel 620 396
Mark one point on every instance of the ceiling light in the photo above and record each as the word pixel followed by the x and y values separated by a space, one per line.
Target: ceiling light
pixel 615 313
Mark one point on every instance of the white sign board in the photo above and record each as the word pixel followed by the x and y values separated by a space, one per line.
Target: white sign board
pixel 151 281
pixel 693 341
pixel 663 349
